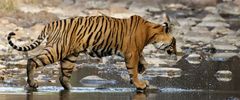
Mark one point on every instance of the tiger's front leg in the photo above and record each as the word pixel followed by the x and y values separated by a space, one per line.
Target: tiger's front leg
pixel 142 65
pixel 132 61
pixel 67 65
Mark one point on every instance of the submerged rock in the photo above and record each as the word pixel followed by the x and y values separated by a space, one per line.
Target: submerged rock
pixel 222 56
pixel 223 75
pixel 163 72
pixel 96 81
pixel 194 58
pixel 232 98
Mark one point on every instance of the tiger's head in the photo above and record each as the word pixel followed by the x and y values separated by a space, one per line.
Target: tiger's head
pixel 161 36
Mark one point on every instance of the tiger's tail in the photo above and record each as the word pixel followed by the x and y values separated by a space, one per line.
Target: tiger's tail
pixel 31 46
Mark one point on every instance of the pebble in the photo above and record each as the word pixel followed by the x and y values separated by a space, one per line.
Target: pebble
pixel 124 75
pixel 213 18
pixel 223 75
pixel 3 48
pixel 211 9
pixel 194 58
pixel 197 37
pixel 19 62
pixel 149 49
pixel 228 8
pixel 144 8
pixel 214 24
pixel 225 47
pixel 200 29
pixel 52 81
pixel 155 61
pixel 2 66
pixel 30 9
pixel 42 78
pixel 227 39
pixel 95 4
pixel 232 97
pixel 237 44
pixel 186 22
pixel 222 30
pixel 163 72
pixel 95 81
pixel 4 21
pixel 176 6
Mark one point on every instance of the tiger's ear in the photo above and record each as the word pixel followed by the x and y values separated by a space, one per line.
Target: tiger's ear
pixel 166 18
pixel 166 27
pixel 166 23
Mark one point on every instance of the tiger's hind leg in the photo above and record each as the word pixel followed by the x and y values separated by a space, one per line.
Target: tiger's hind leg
pixel 67 65
pixel 48 56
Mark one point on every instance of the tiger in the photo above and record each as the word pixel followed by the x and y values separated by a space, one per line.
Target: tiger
pixel 97 36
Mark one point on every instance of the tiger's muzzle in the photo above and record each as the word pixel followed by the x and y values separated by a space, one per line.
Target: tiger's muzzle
pixel 170 48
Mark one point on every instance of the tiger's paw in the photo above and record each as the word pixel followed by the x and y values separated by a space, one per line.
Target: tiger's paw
pixel 141 86
pixel 139 90
pixel 32 84
pixel 32 87
pixel 65 83
pixel 66 86
pixel 142 90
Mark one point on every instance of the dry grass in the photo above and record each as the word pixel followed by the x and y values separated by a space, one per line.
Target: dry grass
pixel 11 5
pixel 31 1
pixel 8 5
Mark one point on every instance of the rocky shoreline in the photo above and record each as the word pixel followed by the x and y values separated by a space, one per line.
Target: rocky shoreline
pixel 209 32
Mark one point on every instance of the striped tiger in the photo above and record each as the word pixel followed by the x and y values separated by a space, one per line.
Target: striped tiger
pixel 97 36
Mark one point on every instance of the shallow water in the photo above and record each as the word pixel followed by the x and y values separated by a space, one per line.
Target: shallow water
pixel 55 93
pixel 197 82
